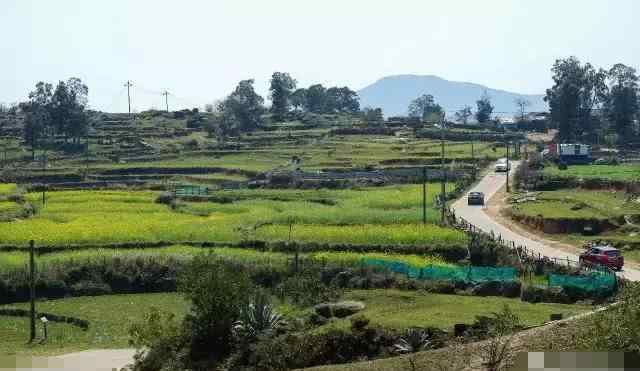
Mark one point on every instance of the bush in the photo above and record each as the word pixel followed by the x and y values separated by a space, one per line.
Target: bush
pixel 307 289
pixel 536 294
pixel 218 291
pixel 166 198
pixel 497 288
pixel 563 166
pixel 340 309
pixel 293 351
pixel 89 288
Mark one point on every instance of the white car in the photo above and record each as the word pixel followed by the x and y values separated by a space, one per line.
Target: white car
pixel 503 165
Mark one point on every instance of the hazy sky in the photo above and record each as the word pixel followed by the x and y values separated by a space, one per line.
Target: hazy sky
pixel 199 50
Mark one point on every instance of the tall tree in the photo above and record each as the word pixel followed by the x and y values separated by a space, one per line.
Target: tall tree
pixel 298 99
pixel 37 116
pixel 425 107
pixel 577 89
pixel 463 115
pixel 522 105
pixel 485 108
pixel 342 100
pixel 244 106
pixel 316 99
pixel 282 84
pixel 373 116
pixel 622 103
pixel 68 109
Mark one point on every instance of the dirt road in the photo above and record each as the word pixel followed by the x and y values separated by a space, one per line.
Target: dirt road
pixel 90 360
pixel 478 216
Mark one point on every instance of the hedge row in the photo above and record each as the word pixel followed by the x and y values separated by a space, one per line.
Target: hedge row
pixel 363 131
pixel 451 253
pixel 15 312
pixel 469 135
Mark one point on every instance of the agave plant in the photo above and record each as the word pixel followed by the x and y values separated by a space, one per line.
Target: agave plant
pixel 415 339
pixel 258 318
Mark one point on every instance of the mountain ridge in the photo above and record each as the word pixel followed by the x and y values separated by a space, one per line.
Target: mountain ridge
pixel 394 93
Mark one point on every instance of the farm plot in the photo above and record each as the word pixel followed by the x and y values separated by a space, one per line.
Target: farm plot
pixel 398 310
pixel 612 216
pixel 624 172
pixel 371 216
pixel 391 309
pixel 16 260
pixel 579 204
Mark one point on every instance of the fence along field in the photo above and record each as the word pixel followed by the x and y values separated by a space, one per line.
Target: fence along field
pixel 371 216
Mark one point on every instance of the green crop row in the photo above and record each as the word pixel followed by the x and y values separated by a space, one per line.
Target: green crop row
pixel 370 216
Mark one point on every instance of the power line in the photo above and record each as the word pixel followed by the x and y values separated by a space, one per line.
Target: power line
pixel 166 99
pixel 128 84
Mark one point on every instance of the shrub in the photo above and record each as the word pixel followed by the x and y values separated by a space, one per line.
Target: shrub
pixel 217 292
pixel 414 340
pixel 159 341
pixel 166 198
pixel 306 289
pixel 257 318
pixel 90 288
pixel 340 309
pixel 293 351
pixel 536 294
pixel 440 287
pixel 497 288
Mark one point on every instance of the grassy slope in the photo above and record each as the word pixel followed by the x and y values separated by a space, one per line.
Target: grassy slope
pixel 372 216
pixel 19 259
pixel 595 204
pixel 111 316
pixel 396 309
pixel 620 172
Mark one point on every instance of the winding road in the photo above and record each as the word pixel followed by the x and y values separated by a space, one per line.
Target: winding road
pixel 478 216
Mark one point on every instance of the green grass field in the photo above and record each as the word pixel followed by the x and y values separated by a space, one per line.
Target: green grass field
pixel 19 259
pixel 6 189
pixel 111 316
pixel 579 204
pixel 394 309
pixel 388 215
pixel 624 172
pixel 263 151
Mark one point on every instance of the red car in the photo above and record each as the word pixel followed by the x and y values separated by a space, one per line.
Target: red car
pixel 603 255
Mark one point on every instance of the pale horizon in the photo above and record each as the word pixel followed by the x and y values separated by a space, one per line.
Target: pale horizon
pixel 199 50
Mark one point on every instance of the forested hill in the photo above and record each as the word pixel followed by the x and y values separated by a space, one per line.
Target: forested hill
pixel 394 93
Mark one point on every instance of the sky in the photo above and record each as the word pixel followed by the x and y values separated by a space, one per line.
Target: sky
pixel 198 50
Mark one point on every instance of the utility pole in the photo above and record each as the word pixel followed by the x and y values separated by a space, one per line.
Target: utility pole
pixel 508 167
pixel 444 171
pixel 473 161
pixel 128 84
pixel 424 195
pixel 32 291
pixel 166 99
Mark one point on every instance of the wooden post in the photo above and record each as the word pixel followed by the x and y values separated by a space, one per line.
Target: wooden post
pixel 32 291
pixel 424 195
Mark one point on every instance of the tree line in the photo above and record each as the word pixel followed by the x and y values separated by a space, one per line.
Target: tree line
pixel 243 110
pixel 53 112
pixel 426 109
pixel 589 103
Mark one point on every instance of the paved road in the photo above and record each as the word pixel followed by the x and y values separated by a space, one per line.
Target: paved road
pixel 91 360
pixel 476 215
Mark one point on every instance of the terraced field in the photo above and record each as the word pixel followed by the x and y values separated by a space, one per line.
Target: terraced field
pixel 388 308
pixel 372 216
pixel 624 172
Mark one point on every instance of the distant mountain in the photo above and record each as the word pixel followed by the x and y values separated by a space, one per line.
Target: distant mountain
pixel 394 93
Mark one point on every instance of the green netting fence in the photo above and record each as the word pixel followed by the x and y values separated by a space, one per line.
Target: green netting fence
pixel 595 283
pixel 446 273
